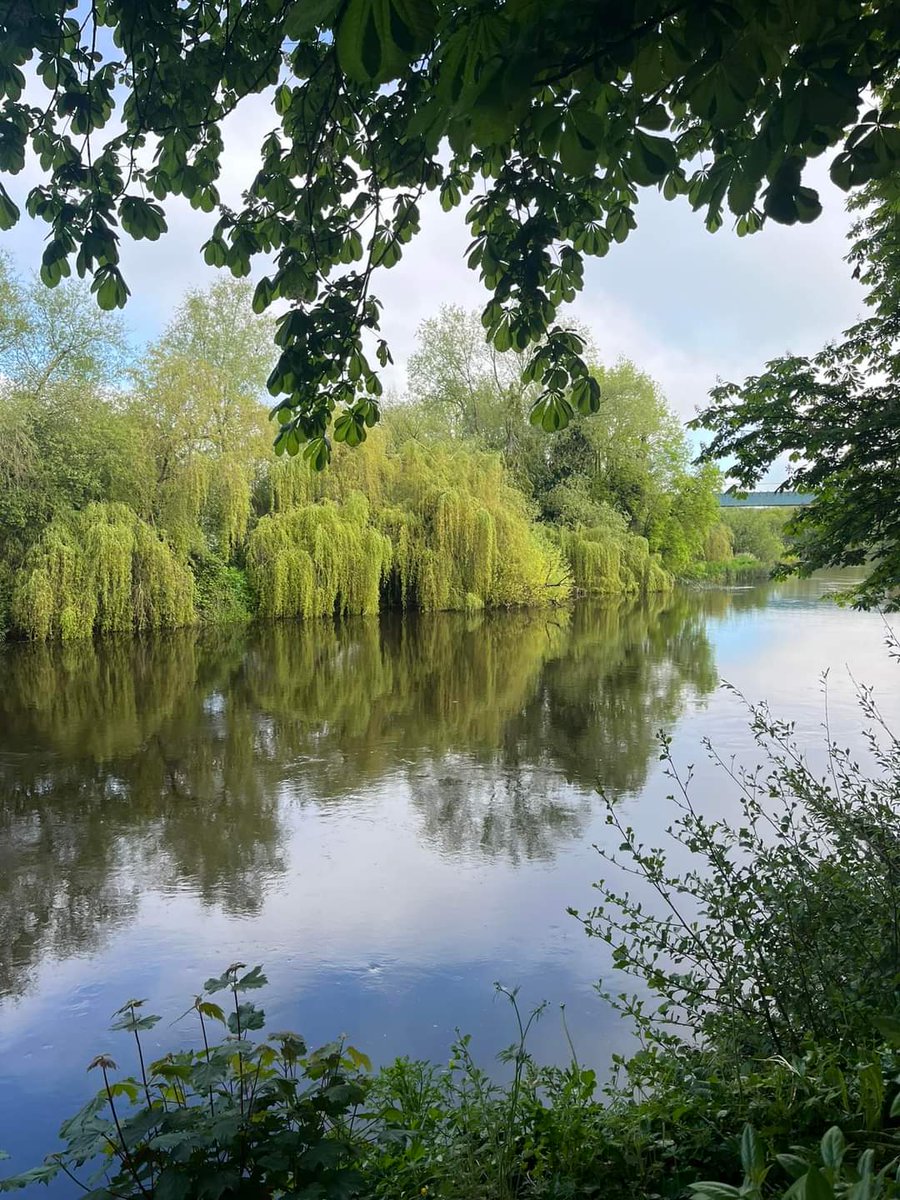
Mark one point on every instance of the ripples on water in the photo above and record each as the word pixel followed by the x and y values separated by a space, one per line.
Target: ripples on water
pixel 390 814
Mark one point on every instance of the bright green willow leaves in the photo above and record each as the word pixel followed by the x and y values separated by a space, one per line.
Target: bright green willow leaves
pixel 562 112
pixel 101 570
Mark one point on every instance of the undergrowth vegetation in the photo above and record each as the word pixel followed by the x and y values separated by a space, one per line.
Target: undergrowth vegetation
pixel 764 938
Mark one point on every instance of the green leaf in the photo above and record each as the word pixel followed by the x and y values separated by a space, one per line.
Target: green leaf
pixel 9 212
pixel 133 1024
pixel 577 155
pixel 223 981
pixel 173 1184
pixel 110 289
pixel 651 158
pixel 376 39
pixel 586 395
pixel 304 16
pixel 317 453
pixel 551 413
pixel 247 1017
pixel 807 204
pixel 358 40
pixel 793 1164
pixel 889 1028
pixel 141 218
pixel 45 1174
pixel 833 1148
pixel 655 118
pixel 359 1059
pixel 814 1186
pixel 263 295
pixel 213 1011
pixel 215 253
pixel 751 1151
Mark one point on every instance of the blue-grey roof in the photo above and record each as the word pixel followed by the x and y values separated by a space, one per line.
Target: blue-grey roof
pixel 766 500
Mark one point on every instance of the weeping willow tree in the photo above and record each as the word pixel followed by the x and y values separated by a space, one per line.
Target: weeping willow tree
pixel 101 570
pixel 454 532
pixel 719 544
pixel 318 559
pixel 605 560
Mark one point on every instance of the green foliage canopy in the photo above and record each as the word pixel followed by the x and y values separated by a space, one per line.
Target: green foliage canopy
pixel 620 474
pixel 565 111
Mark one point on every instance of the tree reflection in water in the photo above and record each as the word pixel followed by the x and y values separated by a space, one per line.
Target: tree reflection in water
pixel 131 766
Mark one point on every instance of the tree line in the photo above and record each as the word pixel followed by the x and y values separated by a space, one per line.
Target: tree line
pixel 140 490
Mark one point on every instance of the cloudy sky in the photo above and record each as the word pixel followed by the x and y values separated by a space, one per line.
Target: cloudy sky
pixel 687 306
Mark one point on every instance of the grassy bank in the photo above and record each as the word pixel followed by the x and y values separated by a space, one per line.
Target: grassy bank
pixel 767 1012
pixel 741 569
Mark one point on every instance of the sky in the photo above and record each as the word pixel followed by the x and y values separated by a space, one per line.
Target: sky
pixel 687 306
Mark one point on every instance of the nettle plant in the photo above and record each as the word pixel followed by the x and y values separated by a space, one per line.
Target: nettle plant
pixel 235 1118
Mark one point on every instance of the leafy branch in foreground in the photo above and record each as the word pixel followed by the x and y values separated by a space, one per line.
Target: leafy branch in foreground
pixel 553 115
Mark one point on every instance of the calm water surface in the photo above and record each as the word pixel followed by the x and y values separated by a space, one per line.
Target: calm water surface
pixel 390 815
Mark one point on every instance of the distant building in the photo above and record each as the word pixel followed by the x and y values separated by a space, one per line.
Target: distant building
pixel 766 500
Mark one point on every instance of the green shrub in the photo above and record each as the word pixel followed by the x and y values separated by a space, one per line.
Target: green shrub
pixel 224 595
pixel 455 1132
pixel 742 568
pixel 785 930
pixel 833 1169
pixel 758 532
pixel 240 1118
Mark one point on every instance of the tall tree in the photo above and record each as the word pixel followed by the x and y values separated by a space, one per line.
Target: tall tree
pixel 633 457
pixel 53 338
pixel 63 438
pixel 564 110
pixel 830 423
pixel 198 393
pixel 464 387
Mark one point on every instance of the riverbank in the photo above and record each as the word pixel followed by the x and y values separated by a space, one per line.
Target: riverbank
pixel 742 569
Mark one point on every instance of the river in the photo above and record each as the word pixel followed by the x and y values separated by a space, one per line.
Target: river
pixel 388 814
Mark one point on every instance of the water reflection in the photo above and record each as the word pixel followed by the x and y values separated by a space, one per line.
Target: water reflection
pixel 132 767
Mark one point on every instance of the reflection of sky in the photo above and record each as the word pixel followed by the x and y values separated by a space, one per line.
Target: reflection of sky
pixel 372 933
pixel 381 930
pixel 779 654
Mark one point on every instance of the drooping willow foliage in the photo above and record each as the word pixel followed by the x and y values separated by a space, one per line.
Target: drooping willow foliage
pixel 146 496
pixel 410 526
pixel 406 526
pixel 207 499
pixel 101 570
pixel 317 560
pixel 605 560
